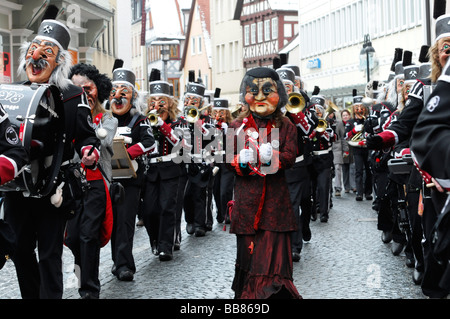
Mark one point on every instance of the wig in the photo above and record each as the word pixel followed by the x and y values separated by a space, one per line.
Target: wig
pixel 102 81
pixel 60 74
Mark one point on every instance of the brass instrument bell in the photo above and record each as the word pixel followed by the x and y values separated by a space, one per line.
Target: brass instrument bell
pixel 296 103
pixel 153 117
pixel 322 126
pixel 192 114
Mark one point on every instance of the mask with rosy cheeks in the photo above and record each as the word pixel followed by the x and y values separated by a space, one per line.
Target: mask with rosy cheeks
pixel 89 87
pixel 359 111
pixel 120 99
pixel 192 100
pixel 41 60
pixel 161 105
pixel 262 96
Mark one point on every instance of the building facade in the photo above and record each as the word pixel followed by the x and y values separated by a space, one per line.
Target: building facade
pixel 165 39
pixel 226 42
pixel 267 26
pixel 332 34
pixel 91 24
pixel 197 53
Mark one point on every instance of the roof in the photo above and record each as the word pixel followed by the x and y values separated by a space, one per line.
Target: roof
pixel 275 5
pixel 166 20
pixel 204 11
pixel 284 5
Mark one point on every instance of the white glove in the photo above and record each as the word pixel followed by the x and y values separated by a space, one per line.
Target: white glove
pixel 265 151
pixel 358 127
pixel 160 122
pixel 246 155
pixel 225 127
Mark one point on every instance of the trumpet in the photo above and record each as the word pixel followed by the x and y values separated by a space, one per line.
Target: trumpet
pixel 193 114
pixel 153 118
pixel 322 126
pixel 296 103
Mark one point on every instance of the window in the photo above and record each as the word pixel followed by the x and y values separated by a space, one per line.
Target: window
pixel 260 31
pixel 246 35
pixel 288 30
pixel 231 54
pixel 266 30
pixel 136 10
pixel 253 33
pixel 275 28
pixel 193 46
pixel 199 44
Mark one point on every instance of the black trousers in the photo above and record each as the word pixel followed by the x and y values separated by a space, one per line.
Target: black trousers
pixel 37 224
pixel 300 194
pixel 195 200
pixel 223 190
pixel 433 283
pixel 83 237
pixel 182 182
pixel 388 212
pixel 124 226
pixel 363 173
pixel 321 183
pixel 160 212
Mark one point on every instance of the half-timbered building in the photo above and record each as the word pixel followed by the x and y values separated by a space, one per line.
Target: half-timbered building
pixel 267 27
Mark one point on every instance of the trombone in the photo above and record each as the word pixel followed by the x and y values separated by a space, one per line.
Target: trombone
pixel 296 103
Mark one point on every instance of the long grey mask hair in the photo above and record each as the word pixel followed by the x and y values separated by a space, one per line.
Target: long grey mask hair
pixel 60 74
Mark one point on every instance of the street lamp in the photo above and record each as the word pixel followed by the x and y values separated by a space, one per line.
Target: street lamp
pixel 367 54
pixel 165 53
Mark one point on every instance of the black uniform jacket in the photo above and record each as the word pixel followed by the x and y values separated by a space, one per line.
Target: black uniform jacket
pixel 431 135
pixel 405 123
pixel 160 164
pixel 13 155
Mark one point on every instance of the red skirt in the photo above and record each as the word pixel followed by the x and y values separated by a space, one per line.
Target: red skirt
pixel 264 266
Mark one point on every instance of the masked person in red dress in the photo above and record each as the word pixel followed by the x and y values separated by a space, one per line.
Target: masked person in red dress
pixel 262 217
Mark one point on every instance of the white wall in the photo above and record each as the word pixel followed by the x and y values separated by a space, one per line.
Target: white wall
pixel 124 34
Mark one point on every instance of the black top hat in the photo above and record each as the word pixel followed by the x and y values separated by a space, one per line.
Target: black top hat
pixel 286 74
pixel 317 99
pixel 122 75
pixel 399 68
pixel 357 99
pixel 56 32
pixel 411 73
pixel 220 104
pixel 424 70
pixel 195 89
pixel 442 27
pixel 294 68
pixel 159 88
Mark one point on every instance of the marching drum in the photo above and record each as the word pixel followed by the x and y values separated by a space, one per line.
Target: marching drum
pixel 36 112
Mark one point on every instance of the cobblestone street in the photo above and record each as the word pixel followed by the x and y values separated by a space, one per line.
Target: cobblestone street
pixel 345 259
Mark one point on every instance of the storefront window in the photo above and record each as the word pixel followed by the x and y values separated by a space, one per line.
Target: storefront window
pixel 5 58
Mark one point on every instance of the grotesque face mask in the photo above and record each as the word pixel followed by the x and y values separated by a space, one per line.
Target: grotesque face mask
pixel 289 87
pixel 359 111
pixel 121 98
pixel 262 96
pixel 400 83
pixel 89 87
pixel 192 100
pixel 161 105
pixel 41 60
pixel 220 115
